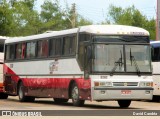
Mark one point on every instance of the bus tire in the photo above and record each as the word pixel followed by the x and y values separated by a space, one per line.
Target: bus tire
pixel 156 98
pixel 3 96
pixel 75 96
pixel 60 100
pixel 21 95
pixel 124 103
pixel 30 99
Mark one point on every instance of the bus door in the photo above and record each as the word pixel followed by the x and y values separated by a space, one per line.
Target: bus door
pixel 87 60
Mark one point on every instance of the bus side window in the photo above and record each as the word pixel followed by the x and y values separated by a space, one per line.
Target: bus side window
pixel 43 48
pixel 55 48
pixel 66 45
pixel 156 54
pixel 69 44
pixel 10 52
pixel 31 50
pixel 1 47
pixel 18 51
pixel 52 47
pixel 73 45
pixel 58 47
pixel 7 52
pixel 23 50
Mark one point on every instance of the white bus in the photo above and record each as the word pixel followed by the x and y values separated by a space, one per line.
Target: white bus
pixel 156 69
pixel 96 63
pixel 2 94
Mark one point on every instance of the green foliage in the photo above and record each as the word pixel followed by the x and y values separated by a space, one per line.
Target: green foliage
pixel 82 21
pixel 19 17
pixel 51 16
pixel 131 16
pixel 5 18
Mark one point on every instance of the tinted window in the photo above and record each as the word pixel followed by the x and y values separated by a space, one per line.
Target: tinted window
pixel 10 52
pixel 69 44
pixel 58 47
pixel 155 54
pixel 55 47
pixel 122 38
pixel 18 51
pixel 1 47
pixel 52 47
pixel 43 48
pixel 31 50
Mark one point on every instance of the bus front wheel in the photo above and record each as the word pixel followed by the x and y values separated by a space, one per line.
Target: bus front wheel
pixel 75 96
pixel 124 103
pixel 156 98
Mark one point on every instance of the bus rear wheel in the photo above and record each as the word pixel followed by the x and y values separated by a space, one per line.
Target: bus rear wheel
pixel 22 97
pixel 75 96
pixel 124 103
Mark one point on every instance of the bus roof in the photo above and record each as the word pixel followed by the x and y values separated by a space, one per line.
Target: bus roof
pixel 155 44
pixel 2 39
pixel 93 29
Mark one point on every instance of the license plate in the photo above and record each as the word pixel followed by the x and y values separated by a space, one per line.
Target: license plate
pixel 125 92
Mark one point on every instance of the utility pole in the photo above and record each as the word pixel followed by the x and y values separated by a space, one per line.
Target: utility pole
pixel 73 15
pixel 158 21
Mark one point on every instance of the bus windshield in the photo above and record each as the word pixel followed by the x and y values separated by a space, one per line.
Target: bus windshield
pixel 114 58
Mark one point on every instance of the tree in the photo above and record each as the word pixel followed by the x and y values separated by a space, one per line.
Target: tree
pixel 26 17
pixel 55 18
pixel 6 19
pixel 18 18
pixel 51 16
pixel 82 21
pixel 131 16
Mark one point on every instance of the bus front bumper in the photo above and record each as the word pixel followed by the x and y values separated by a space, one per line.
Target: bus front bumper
pixel 102 94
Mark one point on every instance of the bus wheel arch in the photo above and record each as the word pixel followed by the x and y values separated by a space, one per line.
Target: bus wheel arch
pixel 18 84
pixel 74 94
pixel 70 88
pixel 21 93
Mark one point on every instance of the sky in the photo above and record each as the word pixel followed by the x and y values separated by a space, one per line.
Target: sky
pixel 96 10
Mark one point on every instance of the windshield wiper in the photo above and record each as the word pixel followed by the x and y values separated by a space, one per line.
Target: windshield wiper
pixel 119 62
pixel 132 58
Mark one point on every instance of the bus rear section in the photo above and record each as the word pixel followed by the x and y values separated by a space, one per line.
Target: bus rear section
pixel 1 72
pixel 155 46
pixel 96 63
pixel 2 94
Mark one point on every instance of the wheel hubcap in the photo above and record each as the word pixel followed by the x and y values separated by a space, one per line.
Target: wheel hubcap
pixel 75 94
pixel 20 92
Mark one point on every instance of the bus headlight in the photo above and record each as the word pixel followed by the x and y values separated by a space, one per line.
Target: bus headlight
pixel 108 84
pixel 146 84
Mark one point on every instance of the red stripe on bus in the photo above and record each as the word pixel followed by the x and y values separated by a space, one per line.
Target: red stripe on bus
pixel 50 87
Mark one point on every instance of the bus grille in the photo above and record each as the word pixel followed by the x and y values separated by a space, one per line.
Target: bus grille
pixel 125 83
